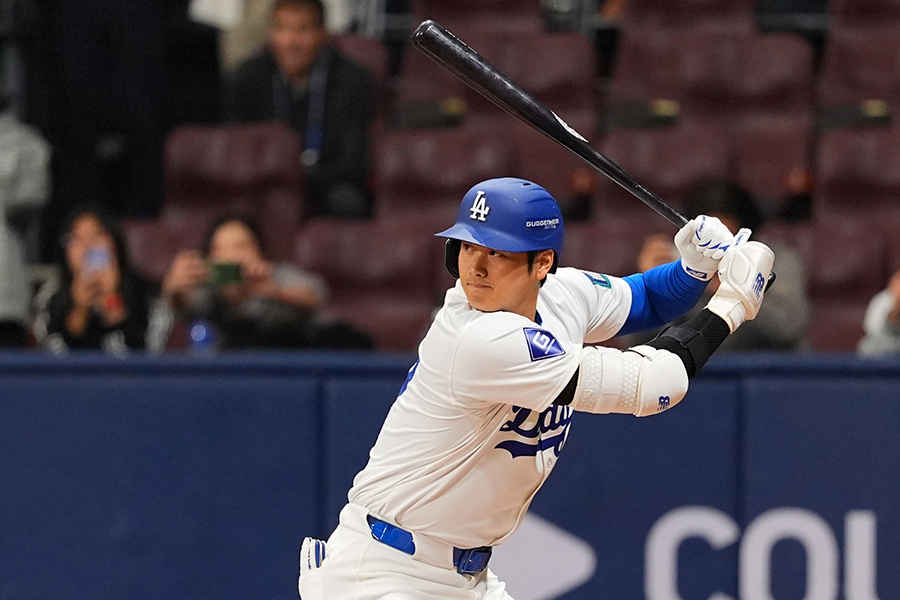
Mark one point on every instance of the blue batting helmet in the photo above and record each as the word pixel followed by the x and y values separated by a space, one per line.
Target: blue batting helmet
pixel 506 214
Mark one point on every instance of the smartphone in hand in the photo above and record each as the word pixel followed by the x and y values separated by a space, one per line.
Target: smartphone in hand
pixel 223 274
pixel 96 259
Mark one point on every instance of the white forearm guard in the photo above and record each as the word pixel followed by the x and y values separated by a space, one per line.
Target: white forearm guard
pixel 641 381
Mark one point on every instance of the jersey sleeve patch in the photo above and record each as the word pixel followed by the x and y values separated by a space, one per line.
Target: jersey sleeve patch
pixel 597 279
pixel 542 344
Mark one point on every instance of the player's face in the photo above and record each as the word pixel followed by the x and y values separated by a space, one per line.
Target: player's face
pixel 295 39
pixel 494 280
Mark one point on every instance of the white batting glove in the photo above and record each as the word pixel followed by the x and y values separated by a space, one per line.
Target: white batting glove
pixel 702 243
pixel 743 273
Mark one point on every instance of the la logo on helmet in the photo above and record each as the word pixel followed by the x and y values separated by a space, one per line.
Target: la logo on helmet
pixel 479 209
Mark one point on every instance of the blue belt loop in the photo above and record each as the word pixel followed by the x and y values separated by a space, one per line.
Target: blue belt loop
pixel 391 535
pixel 467 561
pixel 472 560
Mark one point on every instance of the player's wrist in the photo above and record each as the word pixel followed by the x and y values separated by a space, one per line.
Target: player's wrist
pixel 697 272
pixel 726 305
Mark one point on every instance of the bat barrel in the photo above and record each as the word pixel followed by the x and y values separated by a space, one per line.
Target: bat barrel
pixel 454 55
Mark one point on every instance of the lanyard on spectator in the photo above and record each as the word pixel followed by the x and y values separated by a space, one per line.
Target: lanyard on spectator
pixel 283 94
pixel 315 120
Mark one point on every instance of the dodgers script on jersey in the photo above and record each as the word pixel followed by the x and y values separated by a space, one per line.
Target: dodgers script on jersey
pixel 474 434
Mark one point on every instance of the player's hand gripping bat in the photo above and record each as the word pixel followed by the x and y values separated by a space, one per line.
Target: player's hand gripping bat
pixel 454 55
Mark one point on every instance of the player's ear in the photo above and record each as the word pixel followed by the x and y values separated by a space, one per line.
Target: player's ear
pixel 543 263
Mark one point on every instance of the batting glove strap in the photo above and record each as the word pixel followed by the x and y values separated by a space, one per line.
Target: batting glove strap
pixel 702 243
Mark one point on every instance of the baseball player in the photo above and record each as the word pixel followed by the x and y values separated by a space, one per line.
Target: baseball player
pixel 485 411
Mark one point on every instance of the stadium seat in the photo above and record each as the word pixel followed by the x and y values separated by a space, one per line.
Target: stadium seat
pixel 466 16
pixel 545 162
pixel 716 15
pixel 248 169
pixel 889 221
pixel 765 147
pixel 863 13
pixel 714 74
pixel 611 246
pixel 381 274
pixel 835 326
pixel 858 170
pixel 669 161
pixel 860 64
pixel 152 244
pixel 849 258
pixel 559 69
pixel 646 68
pixel 371 53
pixel 427 171
pixel 422 82
pixel 848 261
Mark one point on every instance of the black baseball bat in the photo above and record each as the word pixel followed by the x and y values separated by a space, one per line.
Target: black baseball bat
pixel 464 62
pixel 457 57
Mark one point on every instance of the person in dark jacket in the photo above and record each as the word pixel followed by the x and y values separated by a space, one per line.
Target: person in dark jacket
pixel 299 78
pixel 99 302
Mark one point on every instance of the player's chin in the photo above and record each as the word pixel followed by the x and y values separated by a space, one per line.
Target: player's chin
pixel 480 298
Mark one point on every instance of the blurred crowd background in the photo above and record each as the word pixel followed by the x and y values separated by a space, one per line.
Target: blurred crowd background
pixel 169 179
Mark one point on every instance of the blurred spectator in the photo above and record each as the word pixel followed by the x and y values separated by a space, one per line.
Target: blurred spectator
pixel 797 203
pixel 299 78
pixel 249 301
pixel 611 10
pixel 24 188
pixel 99 302
pixel 882 321
pixel 581 188
pixel 781 325
pixel 238 42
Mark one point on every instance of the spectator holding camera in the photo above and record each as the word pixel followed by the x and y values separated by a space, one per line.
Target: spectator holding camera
pixel 99 302
pixel 249 301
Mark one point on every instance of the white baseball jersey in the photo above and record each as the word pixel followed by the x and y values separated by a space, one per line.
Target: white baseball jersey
pixel 474 434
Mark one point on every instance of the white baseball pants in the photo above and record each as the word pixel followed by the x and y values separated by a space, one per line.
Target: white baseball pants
pixel 359 567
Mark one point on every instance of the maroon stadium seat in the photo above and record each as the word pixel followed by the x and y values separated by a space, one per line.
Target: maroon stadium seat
pixel 545 162
pixel 835 325
pixel 725 15
pixel 465 16
pixel 848 264
pixel 610 246
pixel 250 169
pixel 860 64
pixel 152 244
pixel 646 67
pixel 558 69
pixel 381 274
pixel 863 12
pixel 424 82
pixel 858 170
pixel 669 161
pixel 427 171
pixel 371 53
pixel 713 73
pixel 765 147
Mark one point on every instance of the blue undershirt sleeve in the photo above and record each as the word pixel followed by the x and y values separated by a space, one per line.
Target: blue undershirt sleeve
pixel 660 295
